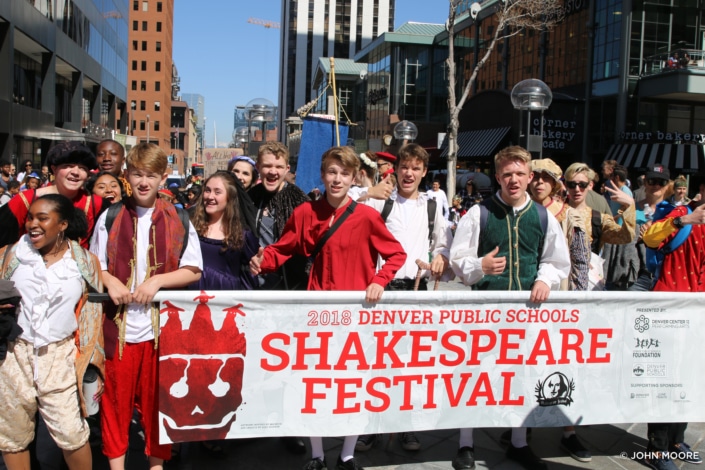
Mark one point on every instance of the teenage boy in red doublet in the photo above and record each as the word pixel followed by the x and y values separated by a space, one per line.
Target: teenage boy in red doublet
pixel 140 255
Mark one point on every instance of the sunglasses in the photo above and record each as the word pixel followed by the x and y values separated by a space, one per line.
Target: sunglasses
pixel 575 184
pixel 656 181
pixel 28 165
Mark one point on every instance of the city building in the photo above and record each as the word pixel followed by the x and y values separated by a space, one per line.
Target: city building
pixel 627 78
pixel 312 29
pixel 405 80
pixel 152 78
pixel 198 104
pixel 350 90
pixel 65 74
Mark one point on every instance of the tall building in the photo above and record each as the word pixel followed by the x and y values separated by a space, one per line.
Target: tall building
pixel 151 75
pixel 63 73
pixel 198 104
pixel 322 28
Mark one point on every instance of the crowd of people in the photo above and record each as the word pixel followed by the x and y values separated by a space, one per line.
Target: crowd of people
pixel 101 222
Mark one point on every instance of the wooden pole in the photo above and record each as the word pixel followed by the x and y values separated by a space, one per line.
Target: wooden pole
pixel 335 101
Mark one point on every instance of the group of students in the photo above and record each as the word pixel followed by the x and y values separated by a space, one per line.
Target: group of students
pixel 11 182
pixel 116 234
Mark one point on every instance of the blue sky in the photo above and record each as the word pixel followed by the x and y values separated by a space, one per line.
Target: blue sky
pixel 229 61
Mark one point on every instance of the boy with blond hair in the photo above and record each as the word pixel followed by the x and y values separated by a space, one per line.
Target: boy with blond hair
pixel 143 247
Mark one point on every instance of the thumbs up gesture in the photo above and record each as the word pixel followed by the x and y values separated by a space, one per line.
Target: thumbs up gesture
pixel 493 264
pixel 256 261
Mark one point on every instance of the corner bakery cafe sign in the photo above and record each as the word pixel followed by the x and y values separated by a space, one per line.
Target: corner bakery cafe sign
pixel 666 137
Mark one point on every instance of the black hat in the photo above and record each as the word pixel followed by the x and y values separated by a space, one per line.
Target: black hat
pixel 71 152
pixel 658 172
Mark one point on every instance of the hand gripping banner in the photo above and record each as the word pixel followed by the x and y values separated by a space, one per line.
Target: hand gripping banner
pixel 248 364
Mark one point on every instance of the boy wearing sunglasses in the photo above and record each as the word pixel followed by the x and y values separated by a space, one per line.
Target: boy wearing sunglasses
pixel 578 181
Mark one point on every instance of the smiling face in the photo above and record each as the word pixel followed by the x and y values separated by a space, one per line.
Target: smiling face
pixel 337 180
pixel 44 225
pixel 108 187
pixel 32 183
pixel 69 178
pixel 145 185
pixel 272 170
pixel 244 172
pixel 110 156
pixel 215 198
pixel 513 176
pixel 410 174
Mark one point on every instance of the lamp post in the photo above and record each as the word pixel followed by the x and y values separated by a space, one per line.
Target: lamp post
pixel 531 95
pixel 259 110
pixel 133 107
pixel 241 137
pixel 148 128
pixel 405 131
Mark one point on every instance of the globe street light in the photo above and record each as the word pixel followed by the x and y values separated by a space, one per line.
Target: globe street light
pixel 405 131
pixel 531 95
pixel 260 110
pixel 241 136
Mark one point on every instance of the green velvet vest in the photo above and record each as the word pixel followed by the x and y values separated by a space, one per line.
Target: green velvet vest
pixel 520 239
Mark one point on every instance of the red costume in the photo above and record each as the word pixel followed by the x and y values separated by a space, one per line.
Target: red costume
pixel 348 259
pixel 683 270
pixel 13 215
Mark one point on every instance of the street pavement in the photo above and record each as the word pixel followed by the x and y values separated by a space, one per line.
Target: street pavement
pixel 613 446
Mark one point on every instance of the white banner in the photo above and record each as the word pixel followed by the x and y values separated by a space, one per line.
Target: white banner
pixel 247 364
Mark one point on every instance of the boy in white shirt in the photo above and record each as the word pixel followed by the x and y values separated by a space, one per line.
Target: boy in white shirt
pixel 143 247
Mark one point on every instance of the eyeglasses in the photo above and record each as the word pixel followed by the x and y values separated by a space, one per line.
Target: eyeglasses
pixel 575 184
pixel 656 181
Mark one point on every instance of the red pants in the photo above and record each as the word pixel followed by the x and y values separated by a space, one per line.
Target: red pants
pixel 132 380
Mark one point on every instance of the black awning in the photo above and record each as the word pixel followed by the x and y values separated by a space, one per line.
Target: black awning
pixel 684 157
pixel 479 143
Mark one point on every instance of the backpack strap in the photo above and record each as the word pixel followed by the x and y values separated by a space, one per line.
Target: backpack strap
pixel 596 223
pixel 430 208
pixel 186 221
pixel 388 204
pixel 114 209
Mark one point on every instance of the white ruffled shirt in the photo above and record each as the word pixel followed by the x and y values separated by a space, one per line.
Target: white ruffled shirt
pixel 49 295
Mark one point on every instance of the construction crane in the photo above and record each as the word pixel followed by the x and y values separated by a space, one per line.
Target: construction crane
pixel 267 24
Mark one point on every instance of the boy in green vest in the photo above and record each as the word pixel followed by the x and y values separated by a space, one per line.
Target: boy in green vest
pixel 479 254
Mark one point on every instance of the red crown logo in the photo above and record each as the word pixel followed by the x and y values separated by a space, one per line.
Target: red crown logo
pixel 201 371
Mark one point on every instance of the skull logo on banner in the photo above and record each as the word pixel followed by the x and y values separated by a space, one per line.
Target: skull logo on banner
pixel 200 372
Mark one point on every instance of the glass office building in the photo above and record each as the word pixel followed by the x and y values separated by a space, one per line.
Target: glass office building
pixel 65 64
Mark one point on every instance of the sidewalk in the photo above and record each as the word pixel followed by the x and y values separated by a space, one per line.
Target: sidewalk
pixel 606 442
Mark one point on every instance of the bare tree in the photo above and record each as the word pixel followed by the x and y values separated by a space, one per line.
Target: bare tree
pixel 511 17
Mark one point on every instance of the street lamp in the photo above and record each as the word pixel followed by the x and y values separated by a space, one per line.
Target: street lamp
pixel 405 131
pixel 259 110
pixel 241 136
pixel 148 128
pixel 531 95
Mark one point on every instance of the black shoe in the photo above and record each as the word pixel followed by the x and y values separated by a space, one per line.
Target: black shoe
pixel 347 465
pixel 464 459
pixel 684 453
pixel 409 441
pixel 315 464
pixel 572 445
pixel 525 457
pixel 213 449
pixel 659 463
pixel 365 442
pixel 506 437
pixel 295 445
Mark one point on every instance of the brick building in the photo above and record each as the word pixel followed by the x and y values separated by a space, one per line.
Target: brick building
pixel 150 72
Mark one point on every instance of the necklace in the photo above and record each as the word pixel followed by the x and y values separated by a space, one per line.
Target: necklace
pixel 56 251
